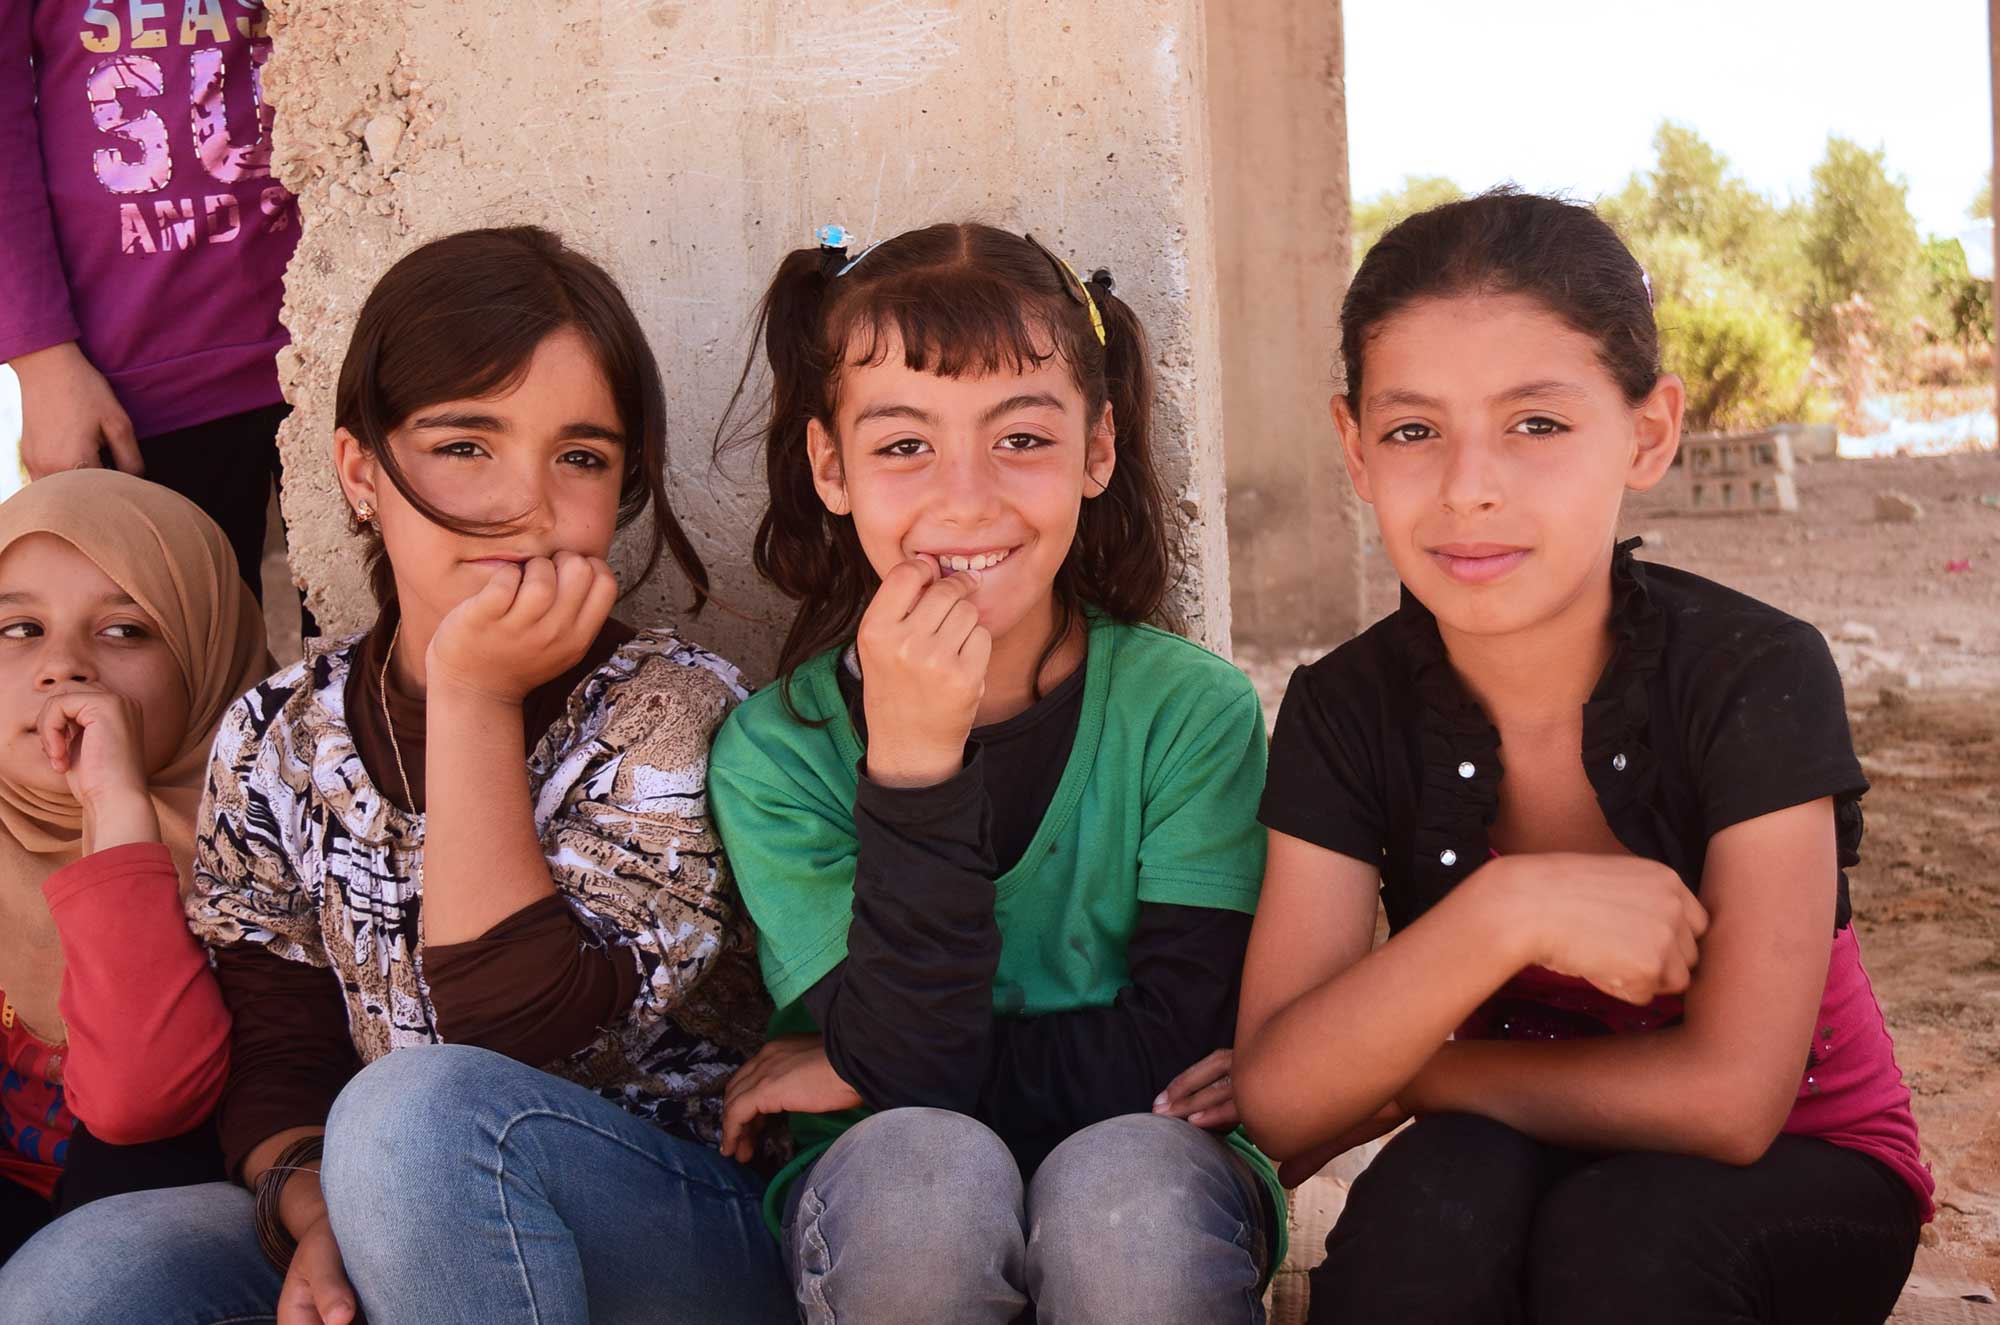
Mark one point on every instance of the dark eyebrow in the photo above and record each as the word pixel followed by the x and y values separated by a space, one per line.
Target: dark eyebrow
pixel 1396 396
pixel 1548 386
pixel 895 412
pixel 590 432
pixel 569 432
pixel 463 422
pixel 1031 400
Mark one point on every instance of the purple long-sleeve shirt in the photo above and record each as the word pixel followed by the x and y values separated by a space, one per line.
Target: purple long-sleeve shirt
pixel 138 215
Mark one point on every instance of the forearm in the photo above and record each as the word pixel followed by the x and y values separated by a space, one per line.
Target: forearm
pixel 482 859
pixel 1057 1073
pixel 122 822
pixel 148 1032
pixel 1657 1090
pixel 301 1203
pixel 536 987
pixel 1336 1054
pixel 908 1016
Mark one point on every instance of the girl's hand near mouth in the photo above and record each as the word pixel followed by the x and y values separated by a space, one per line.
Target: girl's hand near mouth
pixel 91 736
pixel 923 673
pixel 528 625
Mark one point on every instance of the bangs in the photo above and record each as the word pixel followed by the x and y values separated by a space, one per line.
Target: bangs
pixel 467 353
pixel 956 321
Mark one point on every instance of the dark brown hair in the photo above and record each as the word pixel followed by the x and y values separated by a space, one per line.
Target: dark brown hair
pixel 1561 254
pixel 962 299
pixel 459 319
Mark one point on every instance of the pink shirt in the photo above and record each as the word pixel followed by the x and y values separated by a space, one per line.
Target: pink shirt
pixel 1852 1093
pixel 138 215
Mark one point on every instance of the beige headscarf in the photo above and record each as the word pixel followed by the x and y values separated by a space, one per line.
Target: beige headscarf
pixel 163 550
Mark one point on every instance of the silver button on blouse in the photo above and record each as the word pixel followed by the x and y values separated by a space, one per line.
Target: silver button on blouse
pixel 1466 769
pixel 1447 858
pixel 1618 762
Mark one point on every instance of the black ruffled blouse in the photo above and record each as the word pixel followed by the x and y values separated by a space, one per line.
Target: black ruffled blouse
pixel 1714 709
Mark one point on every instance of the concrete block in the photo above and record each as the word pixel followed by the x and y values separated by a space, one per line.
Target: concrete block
pixel 1897 508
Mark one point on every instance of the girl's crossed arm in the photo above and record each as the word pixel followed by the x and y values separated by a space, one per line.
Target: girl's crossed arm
pixel 1721 1083
pixel 1329 1033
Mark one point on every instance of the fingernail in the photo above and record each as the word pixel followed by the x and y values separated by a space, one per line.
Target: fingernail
pixel 1159 1101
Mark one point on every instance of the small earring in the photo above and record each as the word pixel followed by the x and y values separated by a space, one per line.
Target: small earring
pixel 364 513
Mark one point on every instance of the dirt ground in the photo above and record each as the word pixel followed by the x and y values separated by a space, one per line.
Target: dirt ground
pixel 1919 645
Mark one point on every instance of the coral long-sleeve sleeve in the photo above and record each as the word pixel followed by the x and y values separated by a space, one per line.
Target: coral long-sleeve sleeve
pixel 148 1031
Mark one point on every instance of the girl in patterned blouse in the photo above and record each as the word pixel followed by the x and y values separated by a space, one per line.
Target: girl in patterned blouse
pixel 488 969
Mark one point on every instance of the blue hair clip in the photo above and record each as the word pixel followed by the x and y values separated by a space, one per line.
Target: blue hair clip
pixel 855 261
pixel 831 236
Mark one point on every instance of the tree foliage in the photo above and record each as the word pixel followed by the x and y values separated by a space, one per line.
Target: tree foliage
pixel 1861 241
pixel 1728 273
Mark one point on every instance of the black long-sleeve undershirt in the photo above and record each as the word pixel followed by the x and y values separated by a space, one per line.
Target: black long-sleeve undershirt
pixel 908 1015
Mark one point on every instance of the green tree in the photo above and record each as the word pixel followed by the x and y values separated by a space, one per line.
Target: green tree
pixel 1691 197
pixel 1744 362
pixel 1958 309
pixel 1727 275
pixel 1861 242
pixel 1373 217
pixel 1982 201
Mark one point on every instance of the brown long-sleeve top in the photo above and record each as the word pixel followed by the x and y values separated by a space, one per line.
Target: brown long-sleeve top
pixel 636 979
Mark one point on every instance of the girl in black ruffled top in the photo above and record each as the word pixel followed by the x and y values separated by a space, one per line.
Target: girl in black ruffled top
pixel 1607 806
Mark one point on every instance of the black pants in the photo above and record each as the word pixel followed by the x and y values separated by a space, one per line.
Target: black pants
pixel 22 1212
pixel 1464 1221
pixel 93 1169
pixel 226 467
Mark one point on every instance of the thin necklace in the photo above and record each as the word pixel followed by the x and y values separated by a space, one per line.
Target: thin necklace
pixel 382 693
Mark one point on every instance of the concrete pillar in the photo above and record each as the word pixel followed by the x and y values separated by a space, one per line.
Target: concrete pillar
pixel 688 145
pixel 1277 114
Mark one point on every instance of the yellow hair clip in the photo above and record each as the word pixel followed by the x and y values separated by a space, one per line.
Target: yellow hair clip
pixel 1076 283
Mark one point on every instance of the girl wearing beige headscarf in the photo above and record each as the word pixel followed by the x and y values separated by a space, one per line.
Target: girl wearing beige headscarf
pixel 125 633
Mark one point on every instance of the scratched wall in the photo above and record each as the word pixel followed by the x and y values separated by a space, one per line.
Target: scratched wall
pixel 688 145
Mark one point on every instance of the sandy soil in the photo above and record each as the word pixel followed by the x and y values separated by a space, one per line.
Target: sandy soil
pixel 1921 654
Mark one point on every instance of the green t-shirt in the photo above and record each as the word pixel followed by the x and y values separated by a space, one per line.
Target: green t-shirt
pixel 1158 803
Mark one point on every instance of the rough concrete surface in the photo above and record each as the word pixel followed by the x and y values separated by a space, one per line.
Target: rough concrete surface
pixel 688 146
pixel 1278 115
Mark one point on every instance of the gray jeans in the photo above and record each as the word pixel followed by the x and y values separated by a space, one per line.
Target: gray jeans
pixel 919 1215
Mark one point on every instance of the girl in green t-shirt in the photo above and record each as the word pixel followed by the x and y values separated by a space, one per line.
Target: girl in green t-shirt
pixel 998 837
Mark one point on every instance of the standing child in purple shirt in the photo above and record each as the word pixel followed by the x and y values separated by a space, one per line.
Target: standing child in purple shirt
pixel 145 245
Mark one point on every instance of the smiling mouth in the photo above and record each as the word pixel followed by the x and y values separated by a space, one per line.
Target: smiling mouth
pixel 951 563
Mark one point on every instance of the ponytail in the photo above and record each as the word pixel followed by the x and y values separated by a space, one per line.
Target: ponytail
pixel 963 299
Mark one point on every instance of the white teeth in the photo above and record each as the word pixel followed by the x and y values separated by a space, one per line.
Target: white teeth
pixel 983 561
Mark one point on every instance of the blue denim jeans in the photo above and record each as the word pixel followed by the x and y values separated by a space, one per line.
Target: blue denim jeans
pixel 463 1187
pixel 920 1215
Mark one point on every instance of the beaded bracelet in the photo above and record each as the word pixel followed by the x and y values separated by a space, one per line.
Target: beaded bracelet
pixel 275 1240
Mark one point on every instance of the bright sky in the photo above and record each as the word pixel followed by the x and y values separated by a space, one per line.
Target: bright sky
pixel 1565 94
